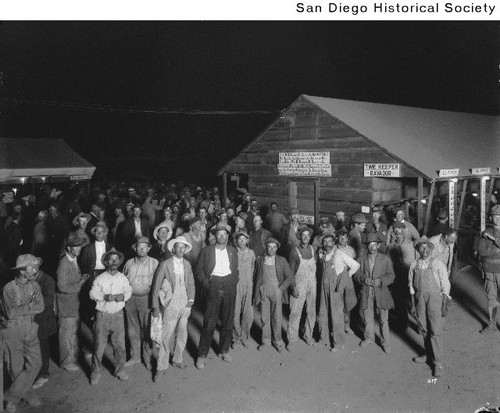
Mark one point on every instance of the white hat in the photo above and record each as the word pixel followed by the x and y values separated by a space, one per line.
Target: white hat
pixel 155 232
pixel 181 239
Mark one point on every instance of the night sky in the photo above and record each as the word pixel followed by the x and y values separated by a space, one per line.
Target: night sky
pixel 80 80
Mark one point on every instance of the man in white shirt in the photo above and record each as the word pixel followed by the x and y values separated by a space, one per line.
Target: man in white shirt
pixel 337 268
pixel 217 271
pixel 110 290
pixel 140 271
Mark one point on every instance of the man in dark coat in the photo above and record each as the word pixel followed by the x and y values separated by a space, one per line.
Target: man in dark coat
pixel 134 227
pixel 375 276
pixel 217 271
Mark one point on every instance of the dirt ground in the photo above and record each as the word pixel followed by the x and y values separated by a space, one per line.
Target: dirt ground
pixel 311 378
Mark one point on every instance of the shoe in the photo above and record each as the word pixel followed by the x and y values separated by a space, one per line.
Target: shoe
pixel 420 359
pixel 200 363
pixel 490 328
pixel 122 375
pixel 262 347
pixel 387 349
pixel 310 342
pixel 349 331
pixel 438 370
pixel 244 344
pixel 32 401
pixel 71 367
pixel 279 348
pixel 10 407
pixel 95 379
pixel 131 362
pixel 226 357
pixel 337 348
pixel 290 347
pixel 180 366
pixel 39 382
pixel 365 343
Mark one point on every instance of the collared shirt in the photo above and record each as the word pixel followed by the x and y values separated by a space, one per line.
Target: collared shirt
pixel 178 265
pixel 222 265
pixel 341 261
pixel 140 274
pixel 347 249
pixel 100 250
pixel 110 284
pixel 270 260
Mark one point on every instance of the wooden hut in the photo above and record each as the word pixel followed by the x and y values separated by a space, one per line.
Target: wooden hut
pixel 322 155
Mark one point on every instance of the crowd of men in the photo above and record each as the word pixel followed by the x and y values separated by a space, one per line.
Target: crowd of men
pixel 133 263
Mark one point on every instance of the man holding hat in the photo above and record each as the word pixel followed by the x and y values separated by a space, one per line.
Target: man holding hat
pixel 173 296
pixel 69 284
pixel 489 251
pixel 428 283
pixel 217 271
pixel 375 275
pixel 22 299
pixel 110 290
pixel 140 271
pixel 273 277
pixel 243 311
pixel 303 263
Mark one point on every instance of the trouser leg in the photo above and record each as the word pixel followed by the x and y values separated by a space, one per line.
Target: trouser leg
pixel 296 305
pixel 118 340
pixel 337 316
pixel 276 316
pixel 368 318
pixel 227 318
pixel 247 313
pixel 265 314
pixel 212 306
pixel 237 323
pixel 310 310
pixel 181 335
pixel 133 328
pixel 434 326
pixel 144 326
pixel 45 354
pixel 383 316
pixel 102 328
pixel 323 315
pixel 68 340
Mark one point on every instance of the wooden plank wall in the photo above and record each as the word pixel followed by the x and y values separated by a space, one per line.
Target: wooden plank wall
pixel 307 128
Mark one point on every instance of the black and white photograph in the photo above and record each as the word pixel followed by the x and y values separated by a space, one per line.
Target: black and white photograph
pixel 250 216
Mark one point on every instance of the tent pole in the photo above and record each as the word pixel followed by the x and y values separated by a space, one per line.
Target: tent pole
pixel 316 202
pixel 429 205
pixel 462 202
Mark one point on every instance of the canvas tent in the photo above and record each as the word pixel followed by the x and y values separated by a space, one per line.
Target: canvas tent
pixel 44 160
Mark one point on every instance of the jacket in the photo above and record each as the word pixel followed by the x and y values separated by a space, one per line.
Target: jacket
pixel 206 264
pixel 283 273
pixel 87 258
pixel 68 288
pixel 382 270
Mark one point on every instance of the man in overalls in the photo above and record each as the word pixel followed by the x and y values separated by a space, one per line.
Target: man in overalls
pixel 303 264
pixel 273 277
pixel 173 289
pixel 337 268
pixel 428 281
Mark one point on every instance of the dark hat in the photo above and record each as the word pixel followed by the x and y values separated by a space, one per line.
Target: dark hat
pixel 194 220
pixel 376 209
pixel 424 240
pixel 74 240
pixel 220 212
pixel 359 218
pixel 294 211
pixel 304 229
pixel 27 260
pixel 99 224
pixel 272 240
pixel 139 240
pixel 372 237
pixel 397 224
pixel 112 252
pixel 81 214
pixel 325 220
pixel 243 215
pixel 495 210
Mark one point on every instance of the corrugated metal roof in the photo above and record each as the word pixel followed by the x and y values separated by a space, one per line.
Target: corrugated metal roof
pixel 34 157
pixel 426 139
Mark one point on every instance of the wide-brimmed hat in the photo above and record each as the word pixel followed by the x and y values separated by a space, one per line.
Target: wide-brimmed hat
pixel 424 240
pixel 495 210
pixel 111 252
pixel 303 229
pixel 182 240
pixel 294 211
pixel 75 240
pixel 81 214
pixel 139 240
pixel 272 240
pixel 372 237
pixel 194 220
pixel 220 212
pixel 221 226
pixel 239 233
pixel 376 209
pixel 243 215
pixel 157 229
pixel 324 220
pixel 359 218
pixel 99 224
pixel 27 260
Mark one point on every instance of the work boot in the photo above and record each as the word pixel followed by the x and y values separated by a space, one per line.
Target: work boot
pixel 438 370
pixel 420 359
pixel 366 342
pixel 492 324
pixel 278 347
pixel 200 363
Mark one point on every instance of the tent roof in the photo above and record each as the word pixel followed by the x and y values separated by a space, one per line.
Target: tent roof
pixel 40 157
pixel 426 139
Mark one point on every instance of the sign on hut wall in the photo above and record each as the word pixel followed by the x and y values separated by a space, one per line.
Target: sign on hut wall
pixel 448 173
pixel 304 164
pixel 382 170
pixel 480 171
pixel 306 219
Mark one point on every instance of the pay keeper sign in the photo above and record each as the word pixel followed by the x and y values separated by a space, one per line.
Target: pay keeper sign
pixel 382 170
